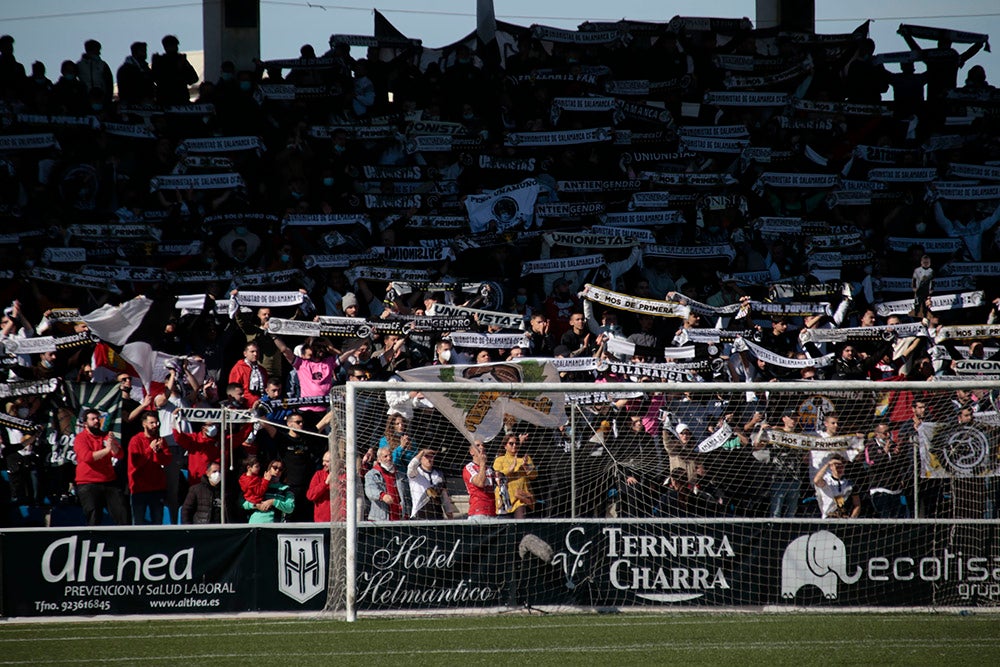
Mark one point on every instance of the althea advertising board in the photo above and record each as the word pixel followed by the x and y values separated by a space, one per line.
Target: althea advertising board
pixel 87 572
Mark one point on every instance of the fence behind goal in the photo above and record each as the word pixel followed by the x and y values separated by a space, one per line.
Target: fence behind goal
pixel 664 495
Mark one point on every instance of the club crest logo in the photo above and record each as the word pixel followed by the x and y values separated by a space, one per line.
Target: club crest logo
pixel 301 566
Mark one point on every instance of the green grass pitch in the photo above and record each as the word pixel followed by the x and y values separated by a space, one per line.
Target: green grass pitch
pixel 516 639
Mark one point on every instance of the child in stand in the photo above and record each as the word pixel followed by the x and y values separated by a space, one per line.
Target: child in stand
pixel 253 485
pixel 923 276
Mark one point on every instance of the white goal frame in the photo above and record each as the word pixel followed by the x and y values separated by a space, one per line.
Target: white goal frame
pixel 349 434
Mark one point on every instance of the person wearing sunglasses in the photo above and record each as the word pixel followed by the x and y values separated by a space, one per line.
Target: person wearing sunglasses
pixel 277 502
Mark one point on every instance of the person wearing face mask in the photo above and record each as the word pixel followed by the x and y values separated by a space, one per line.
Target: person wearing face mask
pixel 203 503
pixel 331 191
pixel 38 83
pixel 96 483
pixel 202 448
pixel 46 367
pixel 282 259
pixel 387 489
pixel 444 353
pixel 69 95
pixel 520 304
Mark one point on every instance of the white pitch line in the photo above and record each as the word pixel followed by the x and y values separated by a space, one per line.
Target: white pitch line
pixel 380 630
pixel 357 630
pixel 600 648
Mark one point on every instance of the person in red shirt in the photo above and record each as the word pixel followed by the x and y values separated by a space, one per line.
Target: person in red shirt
pixel 318 493
pixel 202 448
pixel 96 486
pixel 252 484
pixel 478 478
pixel 148 455
pixel 249 374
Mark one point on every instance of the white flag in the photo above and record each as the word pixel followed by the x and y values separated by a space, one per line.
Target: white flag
pixel 509 206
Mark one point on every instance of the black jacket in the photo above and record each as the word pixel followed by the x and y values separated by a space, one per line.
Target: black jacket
pixel 203 504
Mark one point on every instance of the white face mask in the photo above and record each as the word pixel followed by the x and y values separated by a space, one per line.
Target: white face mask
pixel 445 356
pixel 213 478
pixel 212 431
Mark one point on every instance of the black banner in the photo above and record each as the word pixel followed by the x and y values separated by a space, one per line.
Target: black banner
pixel 681 563
pixel 84 572
pixel 454 565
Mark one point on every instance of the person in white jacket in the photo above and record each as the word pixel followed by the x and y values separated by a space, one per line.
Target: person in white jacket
pixel 966 227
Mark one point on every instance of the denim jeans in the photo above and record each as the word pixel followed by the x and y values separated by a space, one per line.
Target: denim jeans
pixel 785 498
pixel 153 500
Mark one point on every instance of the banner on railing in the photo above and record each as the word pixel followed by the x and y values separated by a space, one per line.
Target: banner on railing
pixel 164 571
pixel 682 563
pixel 454 565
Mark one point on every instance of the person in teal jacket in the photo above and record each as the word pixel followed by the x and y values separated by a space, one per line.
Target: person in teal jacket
pixel 278 501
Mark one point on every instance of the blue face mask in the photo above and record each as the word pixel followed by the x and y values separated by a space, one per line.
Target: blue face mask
pixel 241 231
pixel 245 86
pixel 338 148
pixel 96 106
pixel 284 258
pixel 328 181
pixel 521 299
pixel 227 76
pixel 212 431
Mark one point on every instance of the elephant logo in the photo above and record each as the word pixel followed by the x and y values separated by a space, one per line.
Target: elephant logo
pixel 819 559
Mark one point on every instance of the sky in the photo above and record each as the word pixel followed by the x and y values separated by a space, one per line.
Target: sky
pixel 54 30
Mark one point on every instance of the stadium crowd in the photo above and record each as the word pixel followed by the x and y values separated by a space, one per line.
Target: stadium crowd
pixel 685 201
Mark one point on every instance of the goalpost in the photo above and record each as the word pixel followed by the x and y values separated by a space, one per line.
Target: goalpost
pixel 667 495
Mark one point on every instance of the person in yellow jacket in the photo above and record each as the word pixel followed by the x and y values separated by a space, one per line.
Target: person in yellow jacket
pixel 513 475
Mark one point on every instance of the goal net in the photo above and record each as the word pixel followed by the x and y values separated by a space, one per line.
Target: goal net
pixel 497 487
